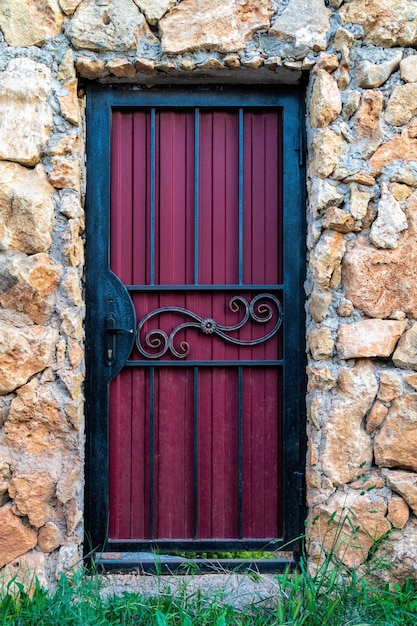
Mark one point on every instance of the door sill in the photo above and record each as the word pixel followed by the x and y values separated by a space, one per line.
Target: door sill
pixel 165 564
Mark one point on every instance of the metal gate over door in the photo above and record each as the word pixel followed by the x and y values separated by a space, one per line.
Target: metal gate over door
pixel 194 320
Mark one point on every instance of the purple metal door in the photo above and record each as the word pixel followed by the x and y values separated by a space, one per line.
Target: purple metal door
pixel 196 413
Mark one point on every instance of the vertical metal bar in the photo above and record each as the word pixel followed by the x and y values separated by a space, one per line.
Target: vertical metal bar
pixel 240 209
pixel 196 190
pixel 196 452
pixel 151 449
pixel 240 450
pixel 152 200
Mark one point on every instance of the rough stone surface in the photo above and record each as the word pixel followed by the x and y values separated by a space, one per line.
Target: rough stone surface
pixel 372 75
pixel 402 147
pixel 347 446
pixel 25 118
pixel 398 512
pixel 49 538
pixel 367 122
pixel 16 536
pixel 24 352
pixel 376 416
pixel 30 22
pixel 327 257
pixel 380 282
pixel 396 442
pixel 369 338
pixel 390 386
pixel 26 209
pixel 28 283
pixel 349 524
pixel 31 494
pixel 402 104
pixel 326 149
pixel 386 23
pixel 303 23
pixel 408 69
pixel 405 484
pixel 321 343
pixel 325 104
pixel 154 10
pixel 405 355
pixel 114 26
pixel 225 28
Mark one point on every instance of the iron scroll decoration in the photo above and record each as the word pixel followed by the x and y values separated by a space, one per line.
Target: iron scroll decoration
pixel 260 309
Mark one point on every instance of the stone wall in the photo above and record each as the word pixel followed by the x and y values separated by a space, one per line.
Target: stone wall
pixel 361 66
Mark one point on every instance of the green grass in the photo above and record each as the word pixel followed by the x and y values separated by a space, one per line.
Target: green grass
pixel 331 597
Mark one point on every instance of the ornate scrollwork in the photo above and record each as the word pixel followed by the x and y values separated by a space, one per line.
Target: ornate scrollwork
pixel 260 309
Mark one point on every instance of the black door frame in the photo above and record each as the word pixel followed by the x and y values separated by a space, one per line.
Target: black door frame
pixel 100 282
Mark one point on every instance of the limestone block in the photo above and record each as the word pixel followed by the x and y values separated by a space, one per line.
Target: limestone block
pixel 323 195
pixel 327 256
pixel 370 75
pixel 26 208
pixel 345 308
pixel 337 219
pixel 121 68
pixel 27 284
pixel 351 104
pixel 367 122
pixel 326 149
pixel 405 484
pixel 30 22
pixel 386 23
pixel 91 68
pixel 65 173
pixel 50 537
pixel 362 178
pixel 346 445
pixel 23 353
pixel 321 343
pixel 401 553
pixel 396 442
pixel 408 69
pixel 321 378
pixel 69 6
pixel 25 118
pixel 369 338
pixel 223 25
pixel 390 222
pixel 376 416
pixel 398 512
pixel 359 201
pixel 326 61
pixel 154 10
pixel 28 572
pixel 303 23
pixel 325 104
pixel 116 26
pixel 390 386
pixel 31 494
pixel 147 66
pixel 319 304
pixel 70 109
pixel 401 147
pixel 349 524
pixel 400 191
pixel 5 477
pixel 380 282
pixel 16 537
pixel 66 69
pixel 405 355
pixel 37 404
pixel 72 288
pixel 402 104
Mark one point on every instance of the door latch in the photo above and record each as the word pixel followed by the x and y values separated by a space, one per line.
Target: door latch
pixel 111 344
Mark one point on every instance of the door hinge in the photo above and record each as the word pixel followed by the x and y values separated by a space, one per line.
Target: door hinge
pixel 301 148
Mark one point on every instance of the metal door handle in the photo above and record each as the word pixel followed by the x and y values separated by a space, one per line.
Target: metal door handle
pixel 112 330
